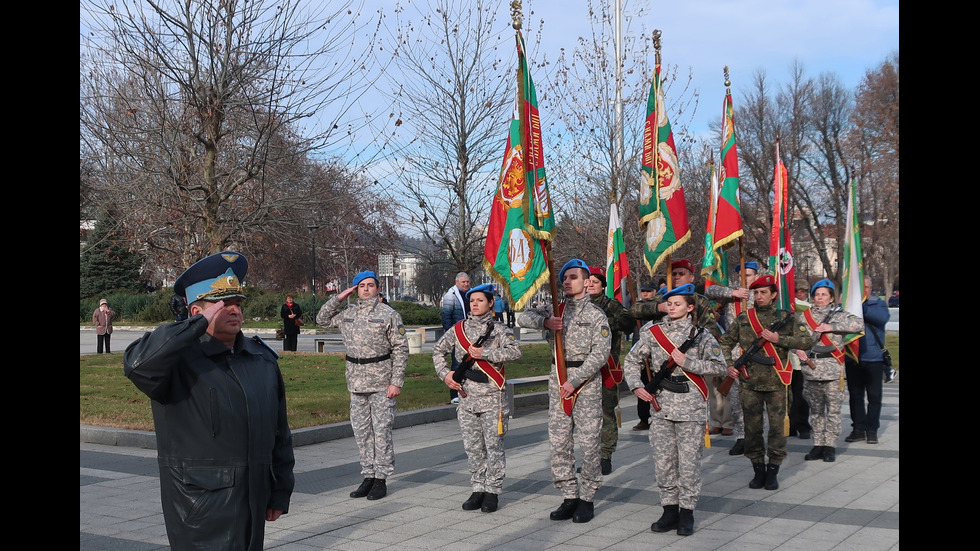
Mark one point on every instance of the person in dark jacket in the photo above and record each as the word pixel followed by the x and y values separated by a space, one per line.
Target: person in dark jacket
pixel 290 312
pixel 865 377
pixel 224 447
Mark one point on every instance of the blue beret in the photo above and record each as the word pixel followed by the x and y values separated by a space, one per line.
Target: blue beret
pixel 823 283
pixel 364 275
pixel 682 290
pixel 486 288
pixel 573 263
pixel 213 278
pixel 748 265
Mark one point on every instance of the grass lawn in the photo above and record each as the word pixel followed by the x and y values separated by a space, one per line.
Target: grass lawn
pixel 316 392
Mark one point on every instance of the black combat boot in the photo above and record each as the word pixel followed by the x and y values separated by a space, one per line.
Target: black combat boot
pixel 771 472
pixel 584 512
pixel 829 454
pixel 605 465
pixel 816 453
pixel 474 502
pixel 856 436
pixel 364 488
pixel 489 502
pixel 759 480
pixel 668 521
pixel 685 524
pixel 379 490
pixel 738 448
pixel 565 510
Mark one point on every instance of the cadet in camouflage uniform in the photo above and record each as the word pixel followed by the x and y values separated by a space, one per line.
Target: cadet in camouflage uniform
pixel 377 352
pixel 586 340
pixel 823 387
pixel 482 413
pixel 620 321
pixel 763 392
pixel 731 298
pixel 677 430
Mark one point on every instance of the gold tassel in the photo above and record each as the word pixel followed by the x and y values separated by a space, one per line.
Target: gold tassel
pixel 786 419
pixel 500 421
pixel 619 417
pixel 707 439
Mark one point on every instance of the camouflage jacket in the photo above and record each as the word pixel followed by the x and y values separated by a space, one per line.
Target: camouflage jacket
pixel 704 312
pixel 585 334
pixel 828 368
pixel 763 377
pixel 723 295
pixel 620 321
pixel 370 329
pixel 500 347
pixel 703 358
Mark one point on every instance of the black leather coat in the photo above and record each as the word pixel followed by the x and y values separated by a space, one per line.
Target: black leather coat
pixel 223 442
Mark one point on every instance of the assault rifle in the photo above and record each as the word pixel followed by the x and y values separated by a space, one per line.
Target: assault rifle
pixel 816 336
pixel 459 375
pixel 668 366
pixel 726 385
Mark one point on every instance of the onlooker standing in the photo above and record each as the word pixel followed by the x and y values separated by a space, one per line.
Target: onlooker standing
pixel 498 308
pixel 290 313
pixel 102 320
pixel 377 353
pixel 219 408
pixel 864 377
pixel 455 308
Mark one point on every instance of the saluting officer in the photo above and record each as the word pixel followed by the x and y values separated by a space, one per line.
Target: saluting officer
pixel 677 430
pixel 377 353
pixel 823 384
pixel 765 390
pixel 586 340
pixel 482 413
pixel 620 321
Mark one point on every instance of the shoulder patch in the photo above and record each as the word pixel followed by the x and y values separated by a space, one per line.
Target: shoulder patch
pixel 401 329
pixel 604 331
pixel 266 345
pixel 715 349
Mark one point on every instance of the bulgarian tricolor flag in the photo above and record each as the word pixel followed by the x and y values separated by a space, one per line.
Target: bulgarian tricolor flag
pixel 852 285
pixel 726 227
pixel 780 248
pixel 617 266
pixel 714 264
pixel 663 211
pixel 520 216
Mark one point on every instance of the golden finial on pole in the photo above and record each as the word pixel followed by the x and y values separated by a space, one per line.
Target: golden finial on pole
pixel 728 82
pixel 656 43
pixel 515 12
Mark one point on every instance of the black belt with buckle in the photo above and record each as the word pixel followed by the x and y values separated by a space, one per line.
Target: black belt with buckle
pixel 676 383
pixel 818 355
pixel 367 360
pixel 574 363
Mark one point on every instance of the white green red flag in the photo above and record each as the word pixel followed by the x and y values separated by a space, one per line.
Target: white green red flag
pixel 852 282
pixel 714 264
pixel 663 211
pixel 780 247
pixel 617 265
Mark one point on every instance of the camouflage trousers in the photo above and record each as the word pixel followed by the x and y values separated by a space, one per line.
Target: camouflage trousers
pixel 738 420
pixel 757 408
pixel 484 447
pixel 583 425
pixel 677 450
pixel 372 416
pixel 825 399
pixel 610 423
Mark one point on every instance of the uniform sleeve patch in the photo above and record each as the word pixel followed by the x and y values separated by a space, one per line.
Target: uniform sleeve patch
pixel 605 331
pixel 401 329
pixel 716 349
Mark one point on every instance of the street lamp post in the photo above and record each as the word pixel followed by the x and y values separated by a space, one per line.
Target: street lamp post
pixel 313 227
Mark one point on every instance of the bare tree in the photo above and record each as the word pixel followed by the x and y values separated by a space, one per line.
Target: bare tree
pixel 200 117
pixel 444 139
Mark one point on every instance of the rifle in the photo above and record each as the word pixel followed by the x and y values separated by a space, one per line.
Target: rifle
pixel 726 385
pixel 668 366
pixel 816 336
pixel 459 375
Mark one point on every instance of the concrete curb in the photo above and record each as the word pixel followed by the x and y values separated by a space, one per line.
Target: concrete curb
pixel 301 437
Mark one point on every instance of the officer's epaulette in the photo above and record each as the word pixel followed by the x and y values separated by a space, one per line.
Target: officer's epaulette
pixel 263 343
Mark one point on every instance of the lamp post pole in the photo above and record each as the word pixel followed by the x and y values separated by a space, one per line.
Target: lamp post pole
pixel 312 228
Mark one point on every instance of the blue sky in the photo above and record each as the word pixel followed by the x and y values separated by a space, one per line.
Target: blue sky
pixel 846 37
